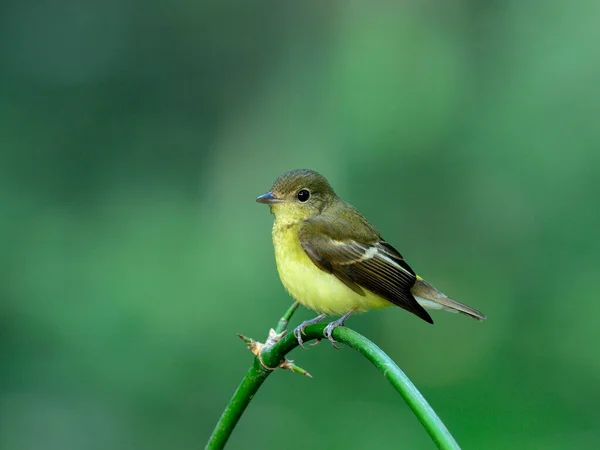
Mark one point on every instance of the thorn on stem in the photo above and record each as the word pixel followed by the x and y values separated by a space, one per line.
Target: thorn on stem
pixel 254 346
pixel 288 364
pixel 258 347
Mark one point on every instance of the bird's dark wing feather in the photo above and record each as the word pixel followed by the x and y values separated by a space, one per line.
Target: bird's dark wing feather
pixel 375 266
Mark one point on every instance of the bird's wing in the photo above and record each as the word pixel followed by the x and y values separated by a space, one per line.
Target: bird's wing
pixel 360 263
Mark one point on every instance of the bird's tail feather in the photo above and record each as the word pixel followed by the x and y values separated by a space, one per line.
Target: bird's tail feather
pixel 429 297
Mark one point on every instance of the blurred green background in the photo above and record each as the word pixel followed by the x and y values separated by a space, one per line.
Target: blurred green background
pixel 136 137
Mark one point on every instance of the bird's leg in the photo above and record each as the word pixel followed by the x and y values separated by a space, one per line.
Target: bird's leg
pixel 299 330
pixel 333 325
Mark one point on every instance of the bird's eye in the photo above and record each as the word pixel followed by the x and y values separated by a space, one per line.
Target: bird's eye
pixel 303 195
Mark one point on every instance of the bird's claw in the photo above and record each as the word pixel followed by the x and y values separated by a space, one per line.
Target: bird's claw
pixel 299 330
pixel 327 332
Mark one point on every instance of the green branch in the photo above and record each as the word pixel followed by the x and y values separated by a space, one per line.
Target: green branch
pixel 274 355
pixel 283 322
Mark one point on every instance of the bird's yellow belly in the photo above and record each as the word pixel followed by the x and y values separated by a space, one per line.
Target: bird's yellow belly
pixel 311 286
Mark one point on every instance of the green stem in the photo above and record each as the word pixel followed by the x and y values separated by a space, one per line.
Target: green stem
pixel 283 322
pixel 253 380
pixel 424 412
pixel 272 356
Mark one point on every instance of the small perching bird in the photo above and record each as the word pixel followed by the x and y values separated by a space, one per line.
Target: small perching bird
pixel 333 261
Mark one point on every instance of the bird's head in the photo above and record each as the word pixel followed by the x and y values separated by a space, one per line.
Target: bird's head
pixel 298 195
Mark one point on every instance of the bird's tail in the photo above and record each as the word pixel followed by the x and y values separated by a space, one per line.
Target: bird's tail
pixel 430 298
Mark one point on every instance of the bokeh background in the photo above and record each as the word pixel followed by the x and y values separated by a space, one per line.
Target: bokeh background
pixel 136 136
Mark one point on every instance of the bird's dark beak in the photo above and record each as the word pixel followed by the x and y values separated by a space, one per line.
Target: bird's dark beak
pixel 268 198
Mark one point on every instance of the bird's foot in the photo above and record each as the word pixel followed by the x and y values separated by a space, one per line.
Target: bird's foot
pixel 299 330
pixel 327 332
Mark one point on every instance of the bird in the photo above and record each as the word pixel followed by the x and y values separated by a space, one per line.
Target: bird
pixel 331 260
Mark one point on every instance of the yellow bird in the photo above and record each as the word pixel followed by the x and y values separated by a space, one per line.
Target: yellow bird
pixel 333 261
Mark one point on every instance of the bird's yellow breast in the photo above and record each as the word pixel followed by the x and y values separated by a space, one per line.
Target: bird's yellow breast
pixel 311 286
